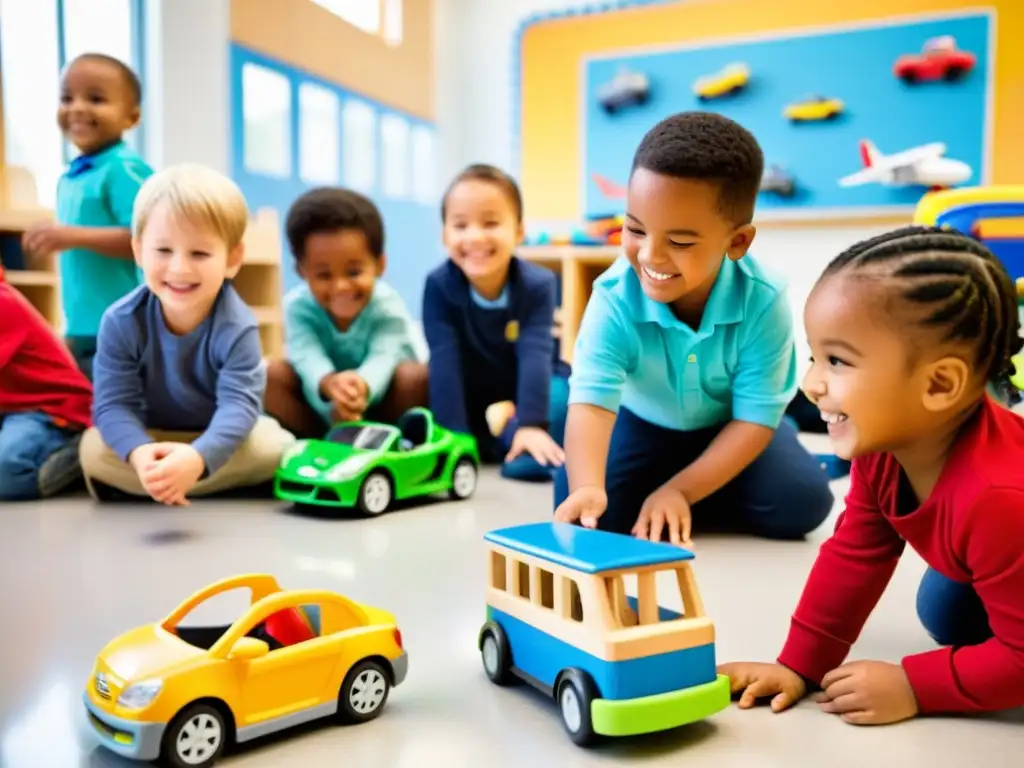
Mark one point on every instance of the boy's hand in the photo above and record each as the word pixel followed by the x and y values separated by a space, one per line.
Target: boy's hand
pixel 666 506
pixel 171 478
pixel 585 504
pixel 758 681
pixel 868 693
pixel 46 238
pixel 146 455
pixel 348 392
pixel 539 444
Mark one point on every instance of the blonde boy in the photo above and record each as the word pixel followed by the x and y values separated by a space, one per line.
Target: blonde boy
pixel 178 373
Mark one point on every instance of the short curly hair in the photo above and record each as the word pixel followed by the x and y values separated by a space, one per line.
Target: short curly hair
pixel 329 209
pixel 710 147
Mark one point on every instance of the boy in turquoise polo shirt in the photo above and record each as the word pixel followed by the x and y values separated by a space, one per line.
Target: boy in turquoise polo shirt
pixel 100 99
pixel 685 360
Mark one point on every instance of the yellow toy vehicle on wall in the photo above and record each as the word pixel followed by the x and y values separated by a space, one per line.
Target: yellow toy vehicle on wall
pixel 814 108
pixel 179 694
pixel 730 80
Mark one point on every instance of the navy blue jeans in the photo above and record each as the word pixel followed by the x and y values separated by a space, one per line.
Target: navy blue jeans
pixel 26 441
pixel 951 611
pixel 782 494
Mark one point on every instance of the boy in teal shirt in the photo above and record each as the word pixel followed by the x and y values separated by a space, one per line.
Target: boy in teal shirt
pixel 100 99
pixel 685 359
pixel 348 334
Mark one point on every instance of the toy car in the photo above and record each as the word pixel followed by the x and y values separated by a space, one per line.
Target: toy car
pixel 626 89
pixel 179 694
pixel 559 618
pixel 814 108
pixel 939 60
pixel 776 180
pixel 730 80
pixel 367 466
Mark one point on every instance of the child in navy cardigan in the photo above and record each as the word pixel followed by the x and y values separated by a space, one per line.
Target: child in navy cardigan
pixel 489 318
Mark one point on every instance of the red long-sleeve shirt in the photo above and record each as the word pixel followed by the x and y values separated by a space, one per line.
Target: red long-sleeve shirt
pixel 37 371
pixel 970 529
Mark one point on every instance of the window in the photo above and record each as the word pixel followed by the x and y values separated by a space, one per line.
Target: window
pixel 499 574
pixel 363 14
pixel 392 33
pixel 359 145
pixel 395 162
pixel 266 113
pixel 523 582
pixel 575 602
pixel 424 165
pixel 31 88
pixel 546 588
pixel 319 135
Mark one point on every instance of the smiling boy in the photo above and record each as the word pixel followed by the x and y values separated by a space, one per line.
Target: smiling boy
pixel 685 359
pixel 179 370
pixel 100 100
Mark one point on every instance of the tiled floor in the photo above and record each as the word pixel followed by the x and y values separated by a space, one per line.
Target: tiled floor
pixel 75 575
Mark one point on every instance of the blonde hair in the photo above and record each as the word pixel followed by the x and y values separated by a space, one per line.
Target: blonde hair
pixel 197 193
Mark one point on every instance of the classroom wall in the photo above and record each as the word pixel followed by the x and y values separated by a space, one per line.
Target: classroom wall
pixel 317 101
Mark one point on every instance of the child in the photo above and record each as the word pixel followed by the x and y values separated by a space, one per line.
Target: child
pixel 44 404
pixel 179 374
pixel 685 359
pixel 100 100
pixel 906 330
pixel 488 317
pixel 350 349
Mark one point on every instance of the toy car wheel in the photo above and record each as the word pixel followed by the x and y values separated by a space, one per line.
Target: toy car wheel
pixel 195 738
pixel 495 653
pixel 464 478
pixel 364 692
pixel 909 77
pixel 574 694
pixel 954 73
pixel 375 494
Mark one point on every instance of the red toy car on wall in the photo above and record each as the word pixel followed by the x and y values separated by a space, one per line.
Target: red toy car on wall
pixel 939 59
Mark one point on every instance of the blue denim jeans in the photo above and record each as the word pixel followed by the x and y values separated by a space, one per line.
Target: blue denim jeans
pixel 26 441
pixel 524 466
pixel 951 611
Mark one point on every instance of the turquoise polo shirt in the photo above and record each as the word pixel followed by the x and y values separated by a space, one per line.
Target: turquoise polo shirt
pixel 740 364
pixel 97 191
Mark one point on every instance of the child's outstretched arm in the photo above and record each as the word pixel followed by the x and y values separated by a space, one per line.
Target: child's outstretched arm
pixel 764 384
pixel 447 391
pixel 119 399
pixel 306 354
pixel 391 338
pixel 606 352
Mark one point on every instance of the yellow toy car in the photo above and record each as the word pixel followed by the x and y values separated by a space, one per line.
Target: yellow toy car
pixel 814 108
pixel 180 694
pixel 732 79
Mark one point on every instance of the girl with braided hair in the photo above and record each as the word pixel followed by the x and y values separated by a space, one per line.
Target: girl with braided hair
pixel 907 332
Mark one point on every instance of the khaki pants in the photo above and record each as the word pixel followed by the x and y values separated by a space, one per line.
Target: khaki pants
pixel 255 461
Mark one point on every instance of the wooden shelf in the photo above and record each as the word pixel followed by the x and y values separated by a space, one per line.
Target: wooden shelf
pixel 21 278
pixel 579 266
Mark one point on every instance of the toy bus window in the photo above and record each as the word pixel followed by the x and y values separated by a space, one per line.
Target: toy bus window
pixel 545 588
pixel 523 580
pixel 575 602
pixel 692 606
pixel 499 574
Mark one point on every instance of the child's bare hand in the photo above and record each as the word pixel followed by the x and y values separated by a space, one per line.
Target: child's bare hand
pixel 348 391
pixel 539 444
pixel 868 693
pixel 758 681
pixel 171 478
pixel 46 238
pixel 145 456
pixel 665 508
pixel 585 504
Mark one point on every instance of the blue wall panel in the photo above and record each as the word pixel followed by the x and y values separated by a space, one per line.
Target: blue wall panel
pixel 412 228
pixel 854 65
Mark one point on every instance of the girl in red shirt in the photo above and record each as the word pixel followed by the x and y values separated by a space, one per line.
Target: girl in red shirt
pixel 907 332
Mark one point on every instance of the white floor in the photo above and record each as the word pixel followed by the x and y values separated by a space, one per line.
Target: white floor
pixel 75 575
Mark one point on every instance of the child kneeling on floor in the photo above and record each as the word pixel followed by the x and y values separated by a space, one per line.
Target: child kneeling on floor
pixel 906 331
pixel 349 335
pixel 178 374
pixel 45 403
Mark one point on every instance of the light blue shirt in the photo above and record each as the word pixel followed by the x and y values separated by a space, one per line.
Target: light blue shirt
pixel 740 365
pixel 97 191
pixel 374 344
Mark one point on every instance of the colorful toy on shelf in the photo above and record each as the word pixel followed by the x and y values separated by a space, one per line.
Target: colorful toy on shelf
pixel 367 466
pixel 776 180
pixel 920 166
pixel 180 694
pixel 939 59
pixel 729 81
pixel 626 89
pixel 814 108
pixel 560 618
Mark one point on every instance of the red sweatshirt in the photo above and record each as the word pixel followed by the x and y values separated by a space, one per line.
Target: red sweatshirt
pixel 37 372
pixel 970 529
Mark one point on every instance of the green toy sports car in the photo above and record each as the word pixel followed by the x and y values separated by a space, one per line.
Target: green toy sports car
pixel 366 465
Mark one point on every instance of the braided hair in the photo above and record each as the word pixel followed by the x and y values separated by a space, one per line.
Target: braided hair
pixel 963 290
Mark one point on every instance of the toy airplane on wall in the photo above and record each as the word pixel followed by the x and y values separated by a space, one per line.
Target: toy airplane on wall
pixel 919 166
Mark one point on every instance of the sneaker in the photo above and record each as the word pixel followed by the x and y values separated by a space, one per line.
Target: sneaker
pixel 60 469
